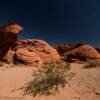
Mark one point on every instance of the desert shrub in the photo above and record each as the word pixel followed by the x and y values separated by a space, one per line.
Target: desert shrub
pixel 49 78
pixel 91 64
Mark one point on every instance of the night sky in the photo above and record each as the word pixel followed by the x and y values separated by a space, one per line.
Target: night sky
pixel 56 21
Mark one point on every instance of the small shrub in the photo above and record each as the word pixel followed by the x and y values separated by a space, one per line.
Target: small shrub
pixel 49 78
pixel 92 64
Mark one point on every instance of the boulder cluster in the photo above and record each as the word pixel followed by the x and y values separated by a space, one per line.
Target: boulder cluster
pixel 28 52
pixel 37 52
pixel 80 51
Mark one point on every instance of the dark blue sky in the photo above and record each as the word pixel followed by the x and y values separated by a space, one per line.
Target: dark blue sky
pixel 56 21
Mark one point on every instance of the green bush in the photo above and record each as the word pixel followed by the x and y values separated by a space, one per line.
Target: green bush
pixel 91 64
pixel 49 78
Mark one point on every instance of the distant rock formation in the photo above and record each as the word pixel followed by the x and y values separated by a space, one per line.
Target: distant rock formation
pixel 85 52
pixel 64 48
pixel 80 52
pixel 8 36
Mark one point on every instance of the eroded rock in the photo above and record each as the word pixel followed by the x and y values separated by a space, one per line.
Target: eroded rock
pixel 8 36
pixel 30 52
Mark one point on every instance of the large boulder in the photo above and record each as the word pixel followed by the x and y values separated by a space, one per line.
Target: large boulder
pixel 83 52
pixel 30 52
pixel 8 36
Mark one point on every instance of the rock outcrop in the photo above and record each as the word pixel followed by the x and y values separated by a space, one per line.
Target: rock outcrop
pixel 37 52
pixel 83 52
pixel 64 48
pixel 8 36
pixel 30 52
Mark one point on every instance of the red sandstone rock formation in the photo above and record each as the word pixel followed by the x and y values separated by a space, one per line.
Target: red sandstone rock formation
pixel 30 52
pixel 25 51
pixel 37 52
pixel 64 48
pixel 84 52
pixel 8 36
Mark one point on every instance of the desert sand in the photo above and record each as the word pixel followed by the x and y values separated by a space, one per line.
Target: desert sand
pixel 85 85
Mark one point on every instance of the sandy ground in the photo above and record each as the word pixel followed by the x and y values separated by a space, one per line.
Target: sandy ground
pixel 85 85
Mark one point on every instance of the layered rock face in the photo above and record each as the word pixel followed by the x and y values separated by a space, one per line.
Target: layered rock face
pixel 8 36
pixel 31 52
